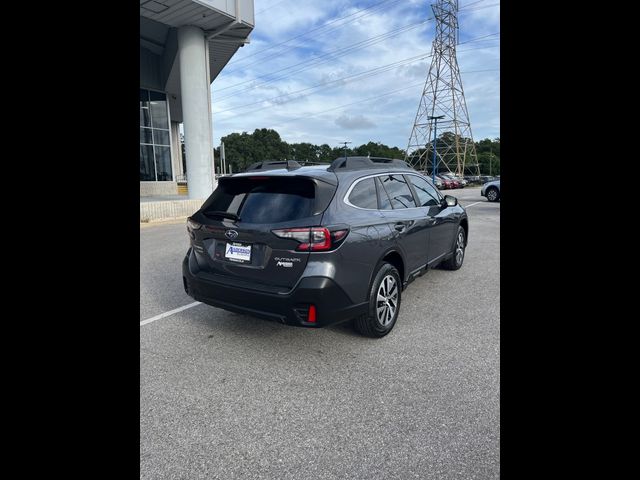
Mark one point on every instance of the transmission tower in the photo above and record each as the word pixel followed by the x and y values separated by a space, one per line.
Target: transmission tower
pixel 443 96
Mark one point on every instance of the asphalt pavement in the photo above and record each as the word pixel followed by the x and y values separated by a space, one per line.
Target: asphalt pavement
pixel 226 396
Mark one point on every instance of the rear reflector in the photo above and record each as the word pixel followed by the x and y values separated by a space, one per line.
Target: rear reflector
pixel 312 314
pixel 338 235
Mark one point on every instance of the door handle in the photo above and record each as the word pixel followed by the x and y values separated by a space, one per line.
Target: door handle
pixel 400 226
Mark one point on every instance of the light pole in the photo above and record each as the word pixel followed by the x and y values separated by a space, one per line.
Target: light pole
pixel 435 136
pixel 345 149
pixel 490 160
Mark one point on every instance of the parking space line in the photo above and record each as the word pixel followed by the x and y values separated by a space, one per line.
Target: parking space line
pixel 170 312
pixel 471 205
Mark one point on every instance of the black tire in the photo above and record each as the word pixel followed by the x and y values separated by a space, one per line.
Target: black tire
pixel 493 194
pixel 457 258
pixel 368 323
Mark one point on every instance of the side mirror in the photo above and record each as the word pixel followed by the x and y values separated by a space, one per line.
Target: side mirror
pixel 450 201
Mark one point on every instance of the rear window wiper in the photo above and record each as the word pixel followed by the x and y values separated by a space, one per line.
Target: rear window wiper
pixel 218 213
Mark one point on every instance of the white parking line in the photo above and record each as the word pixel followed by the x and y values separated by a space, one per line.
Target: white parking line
pixel 166 314
pixel 473 204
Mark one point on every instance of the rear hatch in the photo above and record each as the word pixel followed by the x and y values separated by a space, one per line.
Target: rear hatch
pixel 233 233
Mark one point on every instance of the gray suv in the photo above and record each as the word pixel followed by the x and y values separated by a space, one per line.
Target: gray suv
pixel 491 190
pixel 312 246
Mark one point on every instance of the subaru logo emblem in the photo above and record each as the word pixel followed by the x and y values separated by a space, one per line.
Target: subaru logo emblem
pixel 231 234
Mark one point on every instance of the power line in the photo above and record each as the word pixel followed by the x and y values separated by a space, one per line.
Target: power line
pixel 264 59
pixel 314 64
pixel 314 30
pixel 479 38
pixel 376 97
pixel 277 54
pixel 285 48
pixel 469 4
pixel 271 6
pixel 317 60
pixel 360 75
pixel 481 7
pixel 379 70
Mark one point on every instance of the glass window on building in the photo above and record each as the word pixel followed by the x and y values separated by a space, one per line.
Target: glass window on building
pixel 155 150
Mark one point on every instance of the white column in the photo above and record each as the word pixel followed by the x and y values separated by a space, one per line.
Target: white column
pixel 196 98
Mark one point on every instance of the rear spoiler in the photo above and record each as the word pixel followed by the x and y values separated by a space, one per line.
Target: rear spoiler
pixel 273 165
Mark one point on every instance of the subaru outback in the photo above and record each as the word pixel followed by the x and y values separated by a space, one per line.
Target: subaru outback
pixel 316 245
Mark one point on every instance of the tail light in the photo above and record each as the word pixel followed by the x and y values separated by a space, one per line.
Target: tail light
pixel 313 239
pixel 312 314
pixel 193 225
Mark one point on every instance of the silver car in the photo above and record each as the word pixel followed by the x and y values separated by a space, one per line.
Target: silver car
pixel 491 190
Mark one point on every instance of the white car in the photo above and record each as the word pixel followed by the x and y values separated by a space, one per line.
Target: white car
pixel 491 190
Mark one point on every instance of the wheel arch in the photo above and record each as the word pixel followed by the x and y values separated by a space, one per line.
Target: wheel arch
pixel 464 223
pixel 395 258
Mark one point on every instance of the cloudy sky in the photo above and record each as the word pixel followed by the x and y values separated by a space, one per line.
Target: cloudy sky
pixel 352 70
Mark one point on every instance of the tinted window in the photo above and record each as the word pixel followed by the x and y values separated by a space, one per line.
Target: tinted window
pixel 385 201
pixel 363 194
pixel 147 165
pixel 398 190
pixel 163 164
pixel 427 195
pixel 263 201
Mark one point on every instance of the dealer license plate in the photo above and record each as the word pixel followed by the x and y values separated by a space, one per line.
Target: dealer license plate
pixel 237 252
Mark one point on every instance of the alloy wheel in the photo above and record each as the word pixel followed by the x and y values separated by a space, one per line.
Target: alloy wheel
pixel 460 248
pixel 387 301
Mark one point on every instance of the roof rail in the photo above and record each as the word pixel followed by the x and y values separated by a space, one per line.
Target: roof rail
pixel 273 165
pixel 361 163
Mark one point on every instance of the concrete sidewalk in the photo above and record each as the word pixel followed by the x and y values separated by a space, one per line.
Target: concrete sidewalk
pixel 166 207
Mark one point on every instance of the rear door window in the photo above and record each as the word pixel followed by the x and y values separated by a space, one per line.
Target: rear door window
pixel 385 201
pixel 398 191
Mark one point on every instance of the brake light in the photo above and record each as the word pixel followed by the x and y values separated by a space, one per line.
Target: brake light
pixel 320 240
pixel 193 225
pixel 299 234
pixel 314 239
pixel 312 314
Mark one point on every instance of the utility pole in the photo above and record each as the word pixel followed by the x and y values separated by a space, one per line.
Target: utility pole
pixel 345 149
pixel 434 170
pixel 223 160
pixel 443 95
pixel 490 160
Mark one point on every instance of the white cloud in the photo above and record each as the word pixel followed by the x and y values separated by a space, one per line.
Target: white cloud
pixel 354 122
pixel 305 117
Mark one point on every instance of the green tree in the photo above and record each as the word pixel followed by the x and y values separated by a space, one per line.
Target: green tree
pixel 303 152
pixel 264 144
pixel 488 152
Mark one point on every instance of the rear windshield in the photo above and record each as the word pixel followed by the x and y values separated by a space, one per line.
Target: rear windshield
pixel 263 200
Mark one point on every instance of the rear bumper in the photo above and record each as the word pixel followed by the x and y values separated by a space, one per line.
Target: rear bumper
pixel 332 304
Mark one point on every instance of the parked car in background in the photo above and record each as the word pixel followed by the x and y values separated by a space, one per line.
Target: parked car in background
pixel 455 182
pixel 487 178
pixel 312 246
pixel 463 183
pixel 446 183
pixel 437 182
pixel 491 190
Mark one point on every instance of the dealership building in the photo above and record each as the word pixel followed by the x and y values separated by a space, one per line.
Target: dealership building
pixel 184 45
